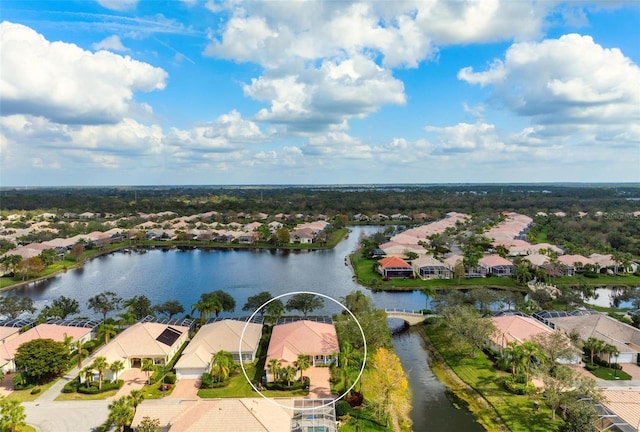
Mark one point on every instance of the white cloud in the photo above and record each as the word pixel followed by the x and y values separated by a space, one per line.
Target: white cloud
pixel 567 81
pixel 67 84
pixel 337 145
pixel 118 5
pixel 327 96
pixel 110 43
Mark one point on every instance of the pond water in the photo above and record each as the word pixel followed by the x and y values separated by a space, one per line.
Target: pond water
pixel 605 298
pixel 184 275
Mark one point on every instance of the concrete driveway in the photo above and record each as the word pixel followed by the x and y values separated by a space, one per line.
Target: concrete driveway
pixel 185 389
pixel 67 416
pixel 319 387
pixel 134 379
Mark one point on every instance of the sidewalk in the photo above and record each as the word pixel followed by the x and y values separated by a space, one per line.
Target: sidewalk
pixel 54 391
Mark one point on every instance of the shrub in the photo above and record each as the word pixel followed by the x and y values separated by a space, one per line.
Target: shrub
pixel 355 400
pixel 591 368
pixel 170 378
pixel 36 390
pixel 206 381
pixel 518 388
pixel 342 408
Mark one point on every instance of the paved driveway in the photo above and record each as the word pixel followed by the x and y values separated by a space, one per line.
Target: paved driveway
pixel 319 386
pixel 134 379
pixel 185 389
pixel 6 386
pixel 66 416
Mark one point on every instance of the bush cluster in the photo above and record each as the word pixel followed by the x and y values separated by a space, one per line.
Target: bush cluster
pixel 76 386
pixel 518 388
pixel 342 408
pixel 295 385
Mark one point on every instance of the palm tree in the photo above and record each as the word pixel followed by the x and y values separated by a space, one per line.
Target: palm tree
pixel 428 292
pixel 302 363
pixel 81 351
pixel 68 342
pixel 116 367
pixel 594 346
pixel 221 365
pixel 206 307
pixel 121 412
pixel 87 374
pixel 106 331
pixel 13 415
pixel 100 364
pixel 610 350
pixel 348 359
pixel 288 374
pixel 274 367
pixel 515 354
pixel 136 397
pixel 148 367
pixel 533 354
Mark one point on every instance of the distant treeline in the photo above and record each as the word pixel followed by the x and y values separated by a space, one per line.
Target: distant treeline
pixel 435 200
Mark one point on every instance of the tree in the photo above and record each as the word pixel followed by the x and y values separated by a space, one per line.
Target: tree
pixel 357 302
pixel 264 232
pixel 12 415
pixel 256 301
pixel 221 364
pixel 116 367
pixel 288 374
pixel 81 351
pixel 205 307
pixel 121 412
pixel 10 262
pixel 87 373
pixel 148 367
pixel 76 251
pixel 100 364
pixel 149 425
pixel 522 272
pixel 465 325
pixel 593 346
pixel 556 387
pixel 390 388
pixel 104 303
pixel 282 236
pixel 483 297
pixel 136 397
pixel 581 417
pixel 65 306
pixel 304 303
pixel 348 359
pixel 555 346
pixel 169 308
pixel 139 306
pixel 106 332
pixel 226 300
pixel 48 256
pixel 30 267
pixel 274 366
pixel 533 355
pixel 275 310
pixel 302 363
pixel 42 359
pixel 13 306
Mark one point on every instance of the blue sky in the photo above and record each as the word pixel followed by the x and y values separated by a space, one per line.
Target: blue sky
pixel 135 92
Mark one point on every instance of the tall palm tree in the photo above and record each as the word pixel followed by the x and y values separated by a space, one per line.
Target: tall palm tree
pixel 206 307
pixel 274 367
pixel 533 355
pixel 516 356
pixel 81 351
pixel 106 331
pixel 288 374
pixel 100 364
pixel 148 367
pixel 121 412
pixel 221 365
pixel 87 374
pixel 116 367
pixel 302 363
pixel 594 346
pixel 610 350
pixel 348 359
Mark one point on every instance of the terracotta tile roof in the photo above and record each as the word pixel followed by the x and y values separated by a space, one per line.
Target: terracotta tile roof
pixel 302 337
pixel 395 262
pixel 517 328
pixel 494 261
pixel 601 327
pixel 5 332
pixel 427 261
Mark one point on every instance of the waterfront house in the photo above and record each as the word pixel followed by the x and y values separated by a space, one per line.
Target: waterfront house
pixel 427 267
pixel 318 340
pixel 394 267
pixel 221 335
pixel 496 265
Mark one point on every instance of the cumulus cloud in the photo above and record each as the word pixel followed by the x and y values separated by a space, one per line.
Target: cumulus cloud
pixel 337 144
pixel 326 97
pixel 570 80
pixel 110 43
pixel 66 84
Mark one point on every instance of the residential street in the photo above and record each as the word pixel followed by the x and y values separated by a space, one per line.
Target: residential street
pixel 66 416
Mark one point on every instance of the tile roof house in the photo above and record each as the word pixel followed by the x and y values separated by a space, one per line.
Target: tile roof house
pixel 217 415
pixel 496 265
pixel 573 263
pixel 43 331
pixel 625 403
pixel 394 267
pixel 427 267
pixel 218 336
pixel 623 336
pixel 317 340
pixel 142 340
pixel 520 329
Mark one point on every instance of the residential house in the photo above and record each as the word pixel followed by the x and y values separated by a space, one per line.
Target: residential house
pixel 317 340
pixel 624 337
pixel 218 415
pixel 218 336
pixel 470 272
pixel 394 267
pixel 56 332
pixel 145 340
pixel 427 267
pixel 496 265
pixel 520 329
pixel 573 263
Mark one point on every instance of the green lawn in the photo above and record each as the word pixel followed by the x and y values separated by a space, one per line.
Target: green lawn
pixel 82 396
pixel 611 374
pixel 26 396
pixel 239 387
pixel 361 420
pixel 517 412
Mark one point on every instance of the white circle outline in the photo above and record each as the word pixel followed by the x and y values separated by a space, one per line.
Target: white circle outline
pixel 244 372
